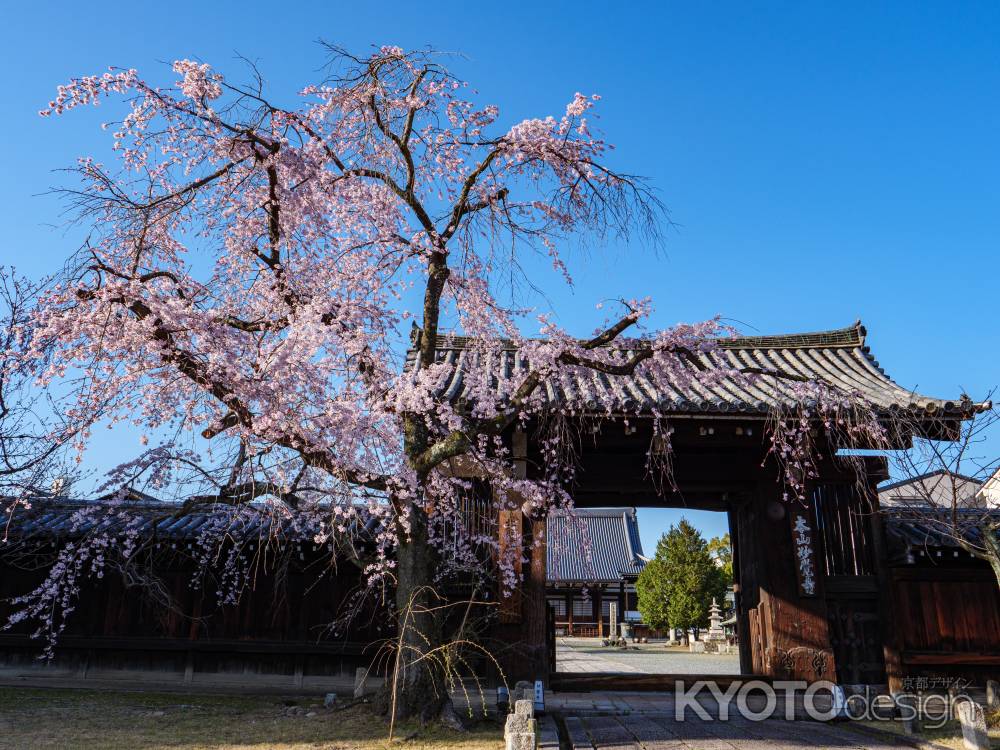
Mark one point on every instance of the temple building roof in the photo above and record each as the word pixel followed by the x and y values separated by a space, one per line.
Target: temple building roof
pixel 935 489
pixel 68 518
pixel 838 357
pixel 593 545
pixel 933 529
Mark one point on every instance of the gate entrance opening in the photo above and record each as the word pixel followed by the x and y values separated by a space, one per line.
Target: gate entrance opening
pixel 595 558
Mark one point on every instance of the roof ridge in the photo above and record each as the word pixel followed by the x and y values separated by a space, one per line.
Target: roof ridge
pixel 838 356
pixel 848 337
pixel 927 475
pixel 914 512
pixel 630 521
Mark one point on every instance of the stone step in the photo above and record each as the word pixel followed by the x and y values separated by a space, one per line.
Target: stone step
pixel 576 736
pixel 548 734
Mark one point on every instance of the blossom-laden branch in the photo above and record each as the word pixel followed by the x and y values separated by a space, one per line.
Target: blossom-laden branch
pixel 33 431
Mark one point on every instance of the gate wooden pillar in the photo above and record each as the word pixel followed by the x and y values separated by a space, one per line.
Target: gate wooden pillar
pixel 745 590
pixel 533 607
pixel 523 621
pixel 791 620
pixel 891 646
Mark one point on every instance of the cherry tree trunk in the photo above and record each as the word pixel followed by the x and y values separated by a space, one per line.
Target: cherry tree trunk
pixel 416 688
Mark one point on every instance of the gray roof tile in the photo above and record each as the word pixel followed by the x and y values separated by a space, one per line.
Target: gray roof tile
pixel 838 357
pixel 72 518
pixel 593 545
pixel 930 528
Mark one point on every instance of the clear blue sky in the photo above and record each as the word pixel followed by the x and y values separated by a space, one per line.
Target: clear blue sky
pixel 823 161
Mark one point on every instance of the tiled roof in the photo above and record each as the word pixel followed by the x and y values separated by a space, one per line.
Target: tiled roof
pixel 69 518
pixel 837 357
pixel 927 528
pixel 593 545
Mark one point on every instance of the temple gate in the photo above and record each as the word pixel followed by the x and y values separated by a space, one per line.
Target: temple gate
pixel 810 578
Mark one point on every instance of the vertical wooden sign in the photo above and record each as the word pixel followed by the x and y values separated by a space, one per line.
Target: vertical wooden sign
pixel 805 551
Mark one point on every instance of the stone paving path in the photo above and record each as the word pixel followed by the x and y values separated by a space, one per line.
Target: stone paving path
pixel 648 721
pixel 664 732
pixel 611 720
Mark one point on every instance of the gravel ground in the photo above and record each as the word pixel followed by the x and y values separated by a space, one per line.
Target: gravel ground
pixel 587 655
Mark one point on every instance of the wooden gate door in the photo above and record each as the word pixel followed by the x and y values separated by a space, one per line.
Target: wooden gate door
pixel 848 559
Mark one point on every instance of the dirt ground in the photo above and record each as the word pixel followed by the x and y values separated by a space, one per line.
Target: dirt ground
pixel 47 719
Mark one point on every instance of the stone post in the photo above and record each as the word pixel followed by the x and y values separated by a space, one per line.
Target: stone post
pixel 970 714
pixel 360 682
pixel 672 636
pixel 909 717
pixel 521 731
pixel 993 694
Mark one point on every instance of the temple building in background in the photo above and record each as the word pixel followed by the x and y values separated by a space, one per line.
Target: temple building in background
pixel 594 557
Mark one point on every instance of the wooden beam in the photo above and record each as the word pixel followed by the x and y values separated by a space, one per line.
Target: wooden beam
pixel 950 658
pixel 942 573
pixel 585 682
pixel 220 645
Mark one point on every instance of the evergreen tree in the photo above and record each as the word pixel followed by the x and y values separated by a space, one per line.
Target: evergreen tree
pixel 651 589
pixel 677 586
pixel 721 548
